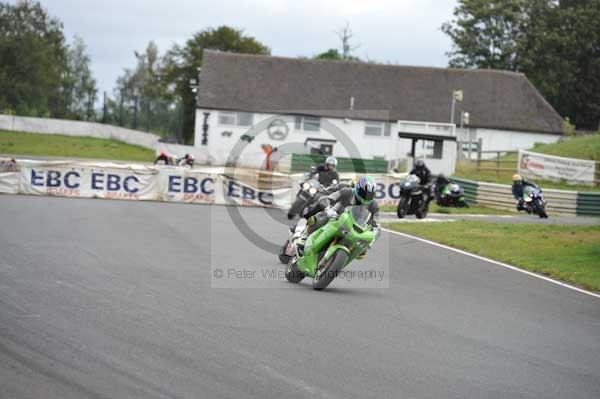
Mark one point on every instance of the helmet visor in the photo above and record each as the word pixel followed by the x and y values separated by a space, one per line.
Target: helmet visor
pixel 365 196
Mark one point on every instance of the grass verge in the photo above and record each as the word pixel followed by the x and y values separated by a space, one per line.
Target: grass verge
pixel 567 253
pixel 580 147
pixel 468 170
pixel 434 208
pixel 18 143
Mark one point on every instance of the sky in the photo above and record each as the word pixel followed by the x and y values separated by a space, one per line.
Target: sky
pixel 405 32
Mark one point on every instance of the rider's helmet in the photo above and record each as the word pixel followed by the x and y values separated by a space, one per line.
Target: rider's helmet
pixel 364 190
pixel 189 158
pixel 419 164
pixel 517 179
pixel 331 163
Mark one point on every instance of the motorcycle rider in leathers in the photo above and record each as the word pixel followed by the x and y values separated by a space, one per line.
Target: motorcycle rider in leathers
pixel 330 206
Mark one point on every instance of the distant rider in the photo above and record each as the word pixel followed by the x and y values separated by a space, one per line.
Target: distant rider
pixel 424 174
pixel 186 160
pixel 441 182
pixel 164 158
pixel 327 172
pixel 518 186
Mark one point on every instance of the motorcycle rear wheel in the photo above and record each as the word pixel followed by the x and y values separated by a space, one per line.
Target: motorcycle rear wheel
pixel 421 212
pixel 325 275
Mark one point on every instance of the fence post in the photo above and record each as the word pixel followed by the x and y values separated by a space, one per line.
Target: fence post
pixel 470 149
pixel 498 164
pixel 597 176
pixel 479 153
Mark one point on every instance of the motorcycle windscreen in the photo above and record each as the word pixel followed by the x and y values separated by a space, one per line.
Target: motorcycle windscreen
pixel 314 183
pixel 412 179
pixel 527 190
pixel 361 215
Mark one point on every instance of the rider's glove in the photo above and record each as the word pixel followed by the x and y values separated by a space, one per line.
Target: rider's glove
pixel 377 232
pixel 331 213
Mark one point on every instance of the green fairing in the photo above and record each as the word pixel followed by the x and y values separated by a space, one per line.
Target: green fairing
pixel 446 193
pixel 353 243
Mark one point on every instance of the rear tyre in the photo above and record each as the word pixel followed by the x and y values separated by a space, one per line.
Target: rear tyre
pixel 292 274
pixel 283 258
pixel 402 204
pixel 421 212
pixel 325 275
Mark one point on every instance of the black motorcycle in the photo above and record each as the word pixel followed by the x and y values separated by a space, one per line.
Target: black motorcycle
pixel 533 202
pixel 413 199
pixel 451 195
pixel 305 197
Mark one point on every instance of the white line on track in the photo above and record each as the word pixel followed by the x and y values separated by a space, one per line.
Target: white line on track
pixel 493 261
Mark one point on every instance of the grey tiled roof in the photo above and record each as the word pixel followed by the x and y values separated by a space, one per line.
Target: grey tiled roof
pixel 494 99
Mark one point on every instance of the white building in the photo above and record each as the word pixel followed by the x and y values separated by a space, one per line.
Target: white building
pixel 364 110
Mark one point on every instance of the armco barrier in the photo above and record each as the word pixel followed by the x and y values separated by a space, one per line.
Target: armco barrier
pixel 588 204
pixel 499 196
pixel 562 202
pixel 470 188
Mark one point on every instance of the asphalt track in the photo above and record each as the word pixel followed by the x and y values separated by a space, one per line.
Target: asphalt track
pixel 115 299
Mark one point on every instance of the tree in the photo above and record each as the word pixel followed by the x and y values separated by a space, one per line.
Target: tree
pixel 579 90
pixel 34 58
pixel 183 62
pixel 555 43
pixel 485 33
pixel 80 86
pixel 331 54
pixel 142 99
pixel 345 35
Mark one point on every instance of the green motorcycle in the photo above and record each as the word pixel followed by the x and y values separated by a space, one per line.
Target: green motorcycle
pixel 332 247
pixel 452 195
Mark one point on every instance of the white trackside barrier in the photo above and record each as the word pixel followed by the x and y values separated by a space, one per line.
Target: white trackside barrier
pixel 165 183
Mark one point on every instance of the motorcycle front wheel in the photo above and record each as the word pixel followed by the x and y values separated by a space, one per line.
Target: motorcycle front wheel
pixel 402 204
pixel 292 274
pixel 541 211
pixel 283 258
pixel 325 275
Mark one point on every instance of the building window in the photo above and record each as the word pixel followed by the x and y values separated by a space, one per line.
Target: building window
pixel 227 118
pixel 245 119
pixel 236 118
pixel 434 148
pixel 307 123
pixel 375 128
